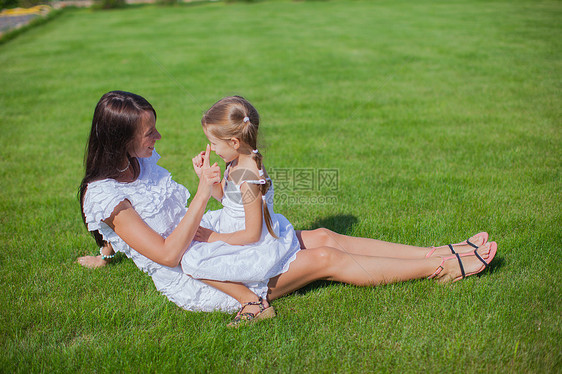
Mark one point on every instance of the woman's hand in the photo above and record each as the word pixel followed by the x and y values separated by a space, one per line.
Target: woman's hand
pixel 210 175
pixel 205 235
pixel 198 163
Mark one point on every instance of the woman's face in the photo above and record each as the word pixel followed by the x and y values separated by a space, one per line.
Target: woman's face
pixel 146 137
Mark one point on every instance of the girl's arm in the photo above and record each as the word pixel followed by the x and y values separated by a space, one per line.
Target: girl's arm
pixel 130 227
pixel 252 200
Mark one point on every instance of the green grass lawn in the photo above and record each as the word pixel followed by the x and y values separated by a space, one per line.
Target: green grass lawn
pixel 441 118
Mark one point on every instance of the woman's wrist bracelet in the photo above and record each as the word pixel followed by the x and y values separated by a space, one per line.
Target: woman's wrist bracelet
pixel 105 257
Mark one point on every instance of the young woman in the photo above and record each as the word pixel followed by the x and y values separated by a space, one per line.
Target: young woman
pixel 133 206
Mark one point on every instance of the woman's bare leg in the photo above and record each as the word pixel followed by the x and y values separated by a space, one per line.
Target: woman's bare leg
pixel 372 247
pixel 333 264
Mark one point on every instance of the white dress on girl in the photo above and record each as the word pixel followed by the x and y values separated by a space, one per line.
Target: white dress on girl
pixel 252 264
pixel 161 203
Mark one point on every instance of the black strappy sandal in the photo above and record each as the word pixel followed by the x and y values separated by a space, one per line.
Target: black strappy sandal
pixel 467 241
pixel 491 255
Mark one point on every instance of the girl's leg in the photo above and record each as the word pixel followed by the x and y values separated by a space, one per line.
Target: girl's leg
pixel 372 247
pixel 332 264
pixel 239 292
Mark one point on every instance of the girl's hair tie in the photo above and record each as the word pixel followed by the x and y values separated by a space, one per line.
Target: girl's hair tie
pixel 246 119
pixel 255 151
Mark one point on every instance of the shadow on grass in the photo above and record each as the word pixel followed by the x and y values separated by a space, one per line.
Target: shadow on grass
pixel 494 266
pixel 314 286
pixel 342 224
pixel 119 258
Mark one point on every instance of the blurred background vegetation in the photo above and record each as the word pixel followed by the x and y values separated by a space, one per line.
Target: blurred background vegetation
pixel 104 4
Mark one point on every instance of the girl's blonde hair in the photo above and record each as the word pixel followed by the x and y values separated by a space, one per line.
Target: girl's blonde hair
pixel 235 117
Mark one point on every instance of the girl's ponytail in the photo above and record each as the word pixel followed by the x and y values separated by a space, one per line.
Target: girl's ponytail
pixel 257 156
pixel 267 218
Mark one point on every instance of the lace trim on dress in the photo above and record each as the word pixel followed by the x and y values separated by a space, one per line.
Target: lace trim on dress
pixel 147 194
pixel 100 201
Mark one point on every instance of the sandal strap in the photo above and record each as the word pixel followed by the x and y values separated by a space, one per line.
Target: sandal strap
pixel 248 316
pixel 480 258
pixel 430 252
pixel 437 271
pixel 451 248
pixel 259 303
pixel 245 316
pixel 253 303
pixel 460 265
pixel 471 244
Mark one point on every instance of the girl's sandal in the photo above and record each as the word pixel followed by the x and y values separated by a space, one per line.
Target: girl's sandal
pixel 491 255
pixel 467 241
pixel 245 318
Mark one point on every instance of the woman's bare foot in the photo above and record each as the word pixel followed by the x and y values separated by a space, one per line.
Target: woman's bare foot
pixel 451 269
pixel 91 262
pixel 444 250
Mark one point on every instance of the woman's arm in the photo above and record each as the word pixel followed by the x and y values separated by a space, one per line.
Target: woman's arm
pixel 252 200
pixel 130 227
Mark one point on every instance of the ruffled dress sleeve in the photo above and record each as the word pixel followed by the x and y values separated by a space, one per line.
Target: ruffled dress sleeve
pixel 100 201
pixel 155 196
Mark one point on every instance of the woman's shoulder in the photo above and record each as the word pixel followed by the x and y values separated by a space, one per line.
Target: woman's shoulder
pixel 100 199
pixel 102 191
pixel 107 184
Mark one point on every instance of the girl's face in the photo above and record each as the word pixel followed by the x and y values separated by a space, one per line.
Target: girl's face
pixel 225 149
pixel 146 137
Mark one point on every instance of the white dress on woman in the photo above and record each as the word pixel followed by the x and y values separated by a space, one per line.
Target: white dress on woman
pixel 161 203
pixel 252 264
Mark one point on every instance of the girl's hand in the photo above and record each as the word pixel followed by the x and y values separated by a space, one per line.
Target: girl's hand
pixel 198 163
pixel 205 235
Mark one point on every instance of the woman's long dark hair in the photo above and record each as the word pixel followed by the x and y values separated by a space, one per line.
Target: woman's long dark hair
pixel 117 117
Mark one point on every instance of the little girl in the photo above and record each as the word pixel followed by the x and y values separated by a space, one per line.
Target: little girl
pixel 245 241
